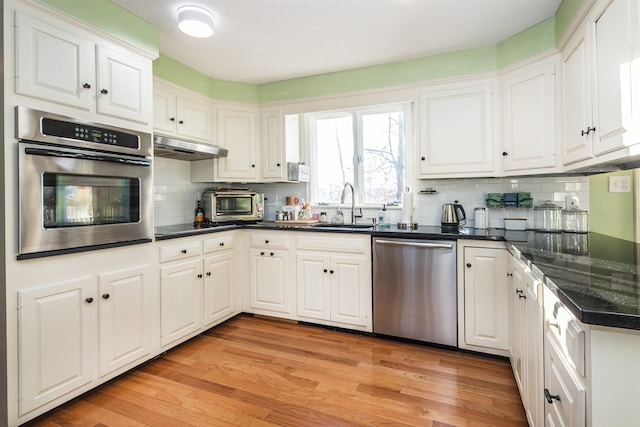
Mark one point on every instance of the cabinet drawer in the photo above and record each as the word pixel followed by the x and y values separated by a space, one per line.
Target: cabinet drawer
pixel 218 243
pixel 356 245
pixel 567 393
pixel 180 251
pixel 269 240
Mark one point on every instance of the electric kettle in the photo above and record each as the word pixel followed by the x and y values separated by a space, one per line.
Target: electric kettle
pixel 453 215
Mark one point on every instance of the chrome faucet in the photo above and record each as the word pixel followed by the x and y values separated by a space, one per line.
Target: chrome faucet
pixel 353 202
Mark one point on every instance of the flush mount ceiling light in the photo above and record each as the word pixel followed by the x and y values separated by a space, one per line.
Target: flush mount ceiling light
pixel 195 21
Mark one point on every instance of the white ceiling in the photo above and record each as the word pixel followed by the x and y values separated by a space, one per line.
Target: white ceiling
pixel 258 41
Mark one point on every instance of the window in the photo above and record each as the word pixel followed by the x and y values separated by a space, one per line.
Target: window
pixel 364 147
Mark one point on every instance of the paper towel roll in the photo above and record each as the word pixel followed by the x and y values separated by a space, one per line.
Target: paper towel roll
pixel 407 207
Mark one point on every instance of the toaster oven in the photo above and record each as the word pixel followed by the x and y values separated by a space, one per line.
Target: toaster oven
pixel 232 205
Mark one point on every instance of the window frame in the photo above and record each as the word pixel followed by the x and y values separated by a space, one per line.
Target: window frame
pixel 356 114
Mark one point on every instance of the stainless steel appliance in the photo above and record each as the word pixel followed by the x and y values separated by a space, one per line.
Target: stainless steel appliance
pixel 414 290
pixel 179 149
pixel 453 215
pixel 232 205
pixel 81 185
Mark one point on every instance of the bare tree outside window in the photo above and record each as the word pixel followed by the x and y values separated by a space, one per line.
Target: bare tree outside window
pixel 364 147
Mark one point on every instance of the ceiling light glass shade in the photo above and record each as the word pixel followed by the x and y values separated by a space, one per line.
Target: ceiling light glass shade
pixel 195 21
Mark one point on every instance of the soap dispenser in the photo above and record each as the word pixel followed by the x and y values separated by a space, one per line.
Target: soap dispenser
pixel 383 221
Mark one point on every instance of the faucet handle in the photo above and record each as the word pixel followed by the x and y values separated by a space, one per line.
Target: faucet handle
pixel 359 214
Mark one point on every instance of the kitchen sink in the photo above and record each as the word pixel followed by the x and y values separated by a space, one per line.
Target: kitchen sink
pixel 347 226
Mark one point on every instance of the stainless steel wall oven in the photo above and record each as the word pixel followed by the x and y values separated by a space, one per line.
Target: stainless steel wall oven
pixel 81 185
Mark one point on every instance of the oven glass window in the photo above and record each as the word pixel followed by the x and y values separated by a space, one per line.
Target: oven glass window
pixel 80 200
pixel 236 205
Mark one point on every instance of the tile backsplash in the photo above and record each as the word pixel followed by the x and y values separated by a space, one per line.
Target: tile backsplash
pixel 175 196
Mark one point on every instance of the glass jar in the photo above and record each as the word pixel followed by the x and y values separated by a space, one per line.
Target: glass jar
pixel 547 217
pixel 575 221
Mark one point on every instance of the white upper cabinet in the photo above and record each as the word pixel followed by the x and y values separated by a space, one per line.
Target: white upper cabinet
pixel 180 113
pixel 456 131
pixel 601 84
pixel 274 162
pixel 236 130
pixel 529 118
pixel 67 66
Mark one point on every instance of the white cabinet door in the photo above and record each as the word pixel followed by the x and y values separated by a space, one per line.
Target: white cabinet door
pixel 274 161
pixel 54 64
pixel 485 298
pixel 124 318
pixel 350 290
pixel 577 117
pixel 456 132
pixel 617 48
pixel 517 323
pixel 314 286
pixel 123 85
pixel 219 284
pixel 55 342
pixel 529 117
pixel 181 300
pixel 193 119
pixel 533 354
pixel 236 131
pixel 164 110
pixel 269 280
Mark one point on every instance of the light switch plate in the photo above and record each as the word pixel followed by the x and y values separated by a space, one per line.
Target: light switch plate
pixel 619 184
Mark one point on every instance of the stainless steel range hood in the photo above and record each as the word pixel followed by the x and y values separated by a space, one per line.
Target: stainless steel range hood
pixel 179 149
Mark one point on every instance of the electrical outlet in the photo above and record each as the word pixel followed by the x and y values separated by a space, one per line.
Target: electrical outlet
pixel 572 202
pixel 619 184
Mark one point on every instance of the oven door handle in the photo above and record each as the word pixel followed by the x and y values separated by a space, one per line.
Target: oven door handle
pixel 86 156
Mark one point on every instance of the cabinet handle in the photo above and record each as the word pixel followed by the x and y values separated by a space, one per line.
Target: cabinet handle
pixel 509 274
pixel 253 166
pixel 468 264
pixel 86 86
pixel 331 271
pixel 208 273
pixel 522 296
pixel 105 296
pixel 423 158
pixel 271 254
pixel 266 242
pixel 278 164
pixel 89 300
pixel 588 131
pixel 550 396
pixel 325 270
pixel 199 276
pixel 184 251
pixel 554 324
pixel 221 243
pixel 504 153
pixel 104 91
pixel 172 119
pixel 181 122
pixel 261 253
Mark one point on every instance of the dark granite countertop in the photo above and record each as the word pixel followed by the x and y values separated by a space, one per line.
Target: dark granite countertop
pixel 594 275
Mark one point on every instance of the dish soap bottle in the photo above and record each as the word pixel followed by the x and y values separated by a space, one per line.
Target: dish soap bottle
pixel 382 217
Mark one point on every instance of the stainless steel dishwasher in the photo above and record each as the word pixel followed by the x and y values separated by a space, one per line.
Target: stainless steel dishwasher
pixel 414 289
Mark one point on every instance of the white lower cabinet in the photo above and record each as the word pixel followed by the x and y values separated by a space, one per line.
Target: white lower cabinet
pixel 56 330
pixel 482 298
pixel 526 338
pixel 270 276
pixel 196 291
pixel 334 280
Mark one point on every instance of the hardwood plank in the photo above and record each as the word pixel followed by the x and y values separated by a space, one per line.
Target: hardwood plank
pixel 255 371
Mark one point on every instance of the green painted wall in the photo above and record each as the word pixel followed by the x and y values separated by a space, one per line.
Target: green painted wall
pixel 178 73
pixel 530 42
pixel 119 22
pixel 565 14
pixel 112 19
pixel 612 214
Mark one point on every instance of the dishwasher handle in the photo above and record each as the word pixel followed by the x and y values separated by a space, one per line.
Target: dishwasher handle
pixel 416 244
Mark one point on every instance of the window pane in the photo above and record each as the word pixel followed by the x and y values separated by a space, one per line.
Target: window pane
pixel 383 157
pixel 334 155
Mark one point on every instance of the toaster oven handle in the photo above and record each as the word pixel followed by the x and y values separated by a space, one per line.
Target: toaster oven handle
pixel 86 156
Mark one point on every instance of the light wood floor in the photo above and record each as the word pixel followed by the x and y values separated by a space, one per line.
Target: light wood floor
pixel 253 371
